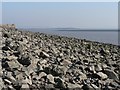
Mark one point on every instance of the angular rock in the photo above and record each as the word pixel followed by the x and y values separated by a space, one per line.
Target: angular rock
pixel 95 87
pixel 74 86
pixel 102 75
pixel 10 58
pixel 42 74
pixel 66 62
pixel 25 87
pixel 7 81
pixel 111 74
pixel 24 60
pixel 50 78
pixel 13 65
pixel 49 86
pixel 44 55
pixel 83 77
pixel 60 83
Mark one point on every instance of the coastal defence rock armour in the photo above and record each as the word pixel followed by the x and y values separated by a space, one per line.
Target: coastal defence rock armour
pixel 37 61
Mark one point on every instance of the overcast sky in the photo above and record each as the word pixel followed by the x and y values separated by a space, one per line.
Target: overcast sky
pixel 86 15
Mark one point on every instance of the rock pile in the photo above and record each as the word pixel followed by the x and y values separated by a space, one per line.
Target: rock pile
pixel 37 61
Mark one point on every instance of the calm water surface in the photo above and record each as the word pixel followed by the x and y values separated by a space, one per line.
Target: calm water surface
pixel 106 36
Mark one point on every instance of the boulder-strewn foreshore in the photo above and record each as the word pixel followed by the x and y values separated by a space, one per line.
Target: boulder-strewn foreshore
pixel 37 61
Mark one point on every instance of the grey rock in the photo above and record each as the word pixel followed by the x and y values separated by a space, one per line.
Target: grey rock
pixel 42 74
pixel 74 86
pixel 42 61
pixel 11 58
pixel 11 87
pixel 60 83
pixel 24 60
pixel 66 62
pixel 49 86
pixel 111 74
pixel 50 78
pixel 98 68
pixel 44 54
pixel 1 84
pixel 25 87
pixel 83 77
pixel 13 65
pixel 27 81
pixel 7 81
pixel 102 75
pixel 87 87
pixel 95 87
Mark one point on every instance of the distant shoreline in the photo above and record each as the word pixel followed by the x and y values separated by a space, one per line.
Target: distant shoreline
pixel 92 30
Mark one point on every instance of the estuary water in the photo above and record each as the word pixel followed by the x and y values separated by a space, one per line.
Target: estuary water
pixel 105 36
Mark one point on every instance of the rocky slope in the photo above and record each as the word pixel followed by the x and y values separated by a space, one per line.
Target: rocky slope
pixel 38 61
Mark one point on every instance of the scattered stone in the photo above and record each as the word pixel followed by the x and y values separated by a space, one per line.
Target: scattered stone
pixel 37 61
pixel 95 87
pixel 50 78
pixel 42 74
pixel 60 83
pixel 25 87
pixel 102 75
pixel 66 62
pixel 13 65
pixel 83 77
pixel 44 54
pixel 74 86
pixel 111 74
pixel 24 60
pixel 7 81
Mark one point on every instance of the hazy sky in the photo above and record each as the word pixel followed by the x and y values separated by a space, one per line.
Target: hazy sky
pixel 88 15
